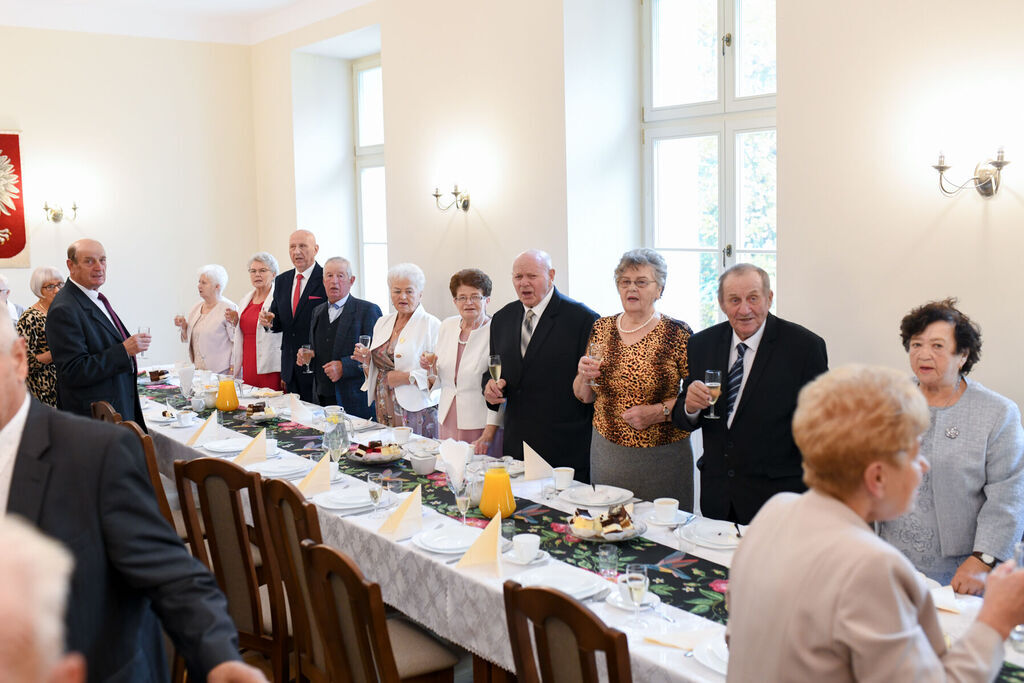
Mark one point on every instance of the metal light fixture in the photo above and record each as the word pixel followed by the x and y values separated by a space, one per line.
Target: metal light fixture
pixel 460 199
pixel 55 214
pixel 986 176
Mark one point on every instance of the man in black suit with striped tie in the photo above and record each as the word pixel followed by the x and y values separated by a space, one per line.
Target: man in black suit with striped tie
pixel 749 452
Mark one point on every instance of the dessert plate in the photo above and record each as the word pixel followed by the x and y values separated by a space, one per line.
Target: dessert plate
pixel 600 495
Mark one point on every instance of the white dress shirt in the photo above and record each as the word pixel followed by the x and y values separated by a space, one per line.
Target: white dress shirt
pixel 10 440
pixel 538 311
pixel 752 342
pixel 301 285
pixel 335 309
pixel 94 296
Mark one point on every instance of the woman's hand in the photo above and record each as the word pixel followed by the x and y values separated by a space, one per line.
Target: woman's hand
pixel 970 577
pixel 231 317
pixel 427 360
pixel 361 354
pixel 588 368
pixel 266 319
pixel 45 358
pixel 642 417
pixel 181 322
pixel 397 378
pixel 1004 599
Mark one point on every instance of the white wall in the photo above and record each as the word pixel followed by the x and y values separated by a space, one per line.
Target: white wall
pixel 868 94
pixel 154 140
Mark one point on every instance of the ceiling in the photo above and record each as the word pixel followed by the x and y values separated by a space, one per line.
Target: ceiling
pixel 223 21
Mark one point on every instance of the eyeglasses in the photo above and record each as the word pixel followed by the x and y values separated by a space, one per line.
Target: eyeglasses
pixel 261 271
pixel 475 298
pixel 640 283
pixel 50 288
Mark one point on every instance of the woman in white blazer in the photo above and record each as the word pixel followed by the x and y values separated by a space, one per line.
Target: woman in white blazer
pixel 395 382
pixel 207 330
pixel 256 356
pixel 463 348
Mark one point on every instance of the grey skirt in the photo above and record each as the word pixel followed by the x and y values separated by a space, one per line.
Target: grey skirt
pixel 659 472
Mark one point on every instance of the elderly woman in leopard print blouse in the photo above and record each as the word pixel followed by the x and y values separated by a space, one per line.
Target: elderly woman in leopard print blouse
pixel 45 282
pixel 643 357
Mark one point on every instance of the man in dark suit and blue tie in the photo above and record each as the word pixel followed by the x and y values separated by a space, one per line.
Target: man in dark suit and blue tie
pixel 540 339
pixel 336 326
pixel 296 293
pixel 92 351
pixel 749 452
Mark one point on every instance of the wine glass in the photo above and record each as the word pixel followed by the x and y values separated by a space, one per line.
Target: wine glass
pixel 636 582
pixel 595 352
pixel 186 373
pixel 144 329
pixel 494 366
pixel 376 482
pixel 462 498
pixel 308 349
pixel 713 381
pixel 364 342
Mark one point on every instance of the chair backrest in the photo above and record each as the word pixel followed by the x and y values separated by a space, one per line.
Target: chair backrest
pixel 228 548
pixel 350 613
pixel 154 473
pixel 292 520
pixel 561 627
pixel 102 410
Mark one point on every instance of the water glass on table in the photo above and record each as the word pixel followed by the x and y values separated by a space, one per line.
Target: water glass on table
pixel 608 561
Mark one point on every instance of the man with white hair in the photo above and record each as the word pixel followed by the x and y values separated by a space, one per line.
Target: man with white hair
pixel 34 576
pixel 84 483
pixel 13 309
pixel 540 339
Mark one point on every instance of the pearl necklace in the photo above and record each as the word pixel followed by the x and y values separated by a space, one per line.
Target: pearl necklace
pixel 618 323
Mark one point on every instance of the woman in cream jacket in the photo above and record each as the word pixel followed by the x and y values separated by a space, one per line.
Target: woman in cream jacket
pixel 207 330
pixel 256 356
pixel 395 382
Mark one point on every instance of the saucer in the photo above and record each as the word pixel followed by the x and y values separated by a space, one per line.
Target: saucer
pixel 177 425
pixel 680 518
pixel 541 557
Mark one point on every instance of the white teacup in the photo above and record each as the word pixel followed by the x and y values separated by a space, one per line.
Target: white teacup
pixel 563 477
pixel 401 434
pixel 666 509
pixel 198 403
pixel 271 446
pixel 525 547
pixel 185 418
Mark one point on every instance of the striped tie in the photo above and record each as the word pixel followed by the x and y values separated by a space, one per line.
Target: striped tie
pixel 527 332
pixel 735 378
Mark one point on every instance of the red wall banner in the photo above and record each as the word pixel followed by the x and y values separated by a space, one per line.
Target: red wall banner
pixel 12 206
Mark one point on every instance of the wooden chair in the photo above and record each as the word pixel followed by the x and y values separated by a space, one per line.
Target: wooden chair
pixel 561 627
pixel 259 611
pixel 103 411
pixel 154 473
pixel 365 644
pixel 292 520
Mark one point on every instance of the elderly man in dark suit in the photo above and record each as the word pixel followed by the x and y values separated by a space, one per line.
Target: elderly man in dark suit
pixel 540 339
pixel 84 483
pixel 296 293
pixel 336 326
pixel 749 452
pixel 92 351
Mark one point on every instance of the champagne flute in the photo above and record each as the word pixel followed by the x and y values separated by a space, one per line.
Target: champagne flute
pixel 462 499
pixel 494 367
pixel 364 342
pixel 308 349
pixel 595 352
pixel 143 329
pixel 713 381
pixel 376 482
pixel 636 582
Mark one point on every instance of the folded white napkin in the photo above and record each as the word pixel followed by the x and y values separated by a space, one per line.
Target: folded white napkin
pixel 684 640
pixel 536 466
pixel 946 600
pixel 455 455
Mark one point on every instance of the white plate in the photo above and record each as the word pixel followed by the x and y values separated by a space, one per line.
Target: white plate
pixel 577 583
pixel 448 539
pixel 160 418
pixel 598 496
pixel 193 423
pixel 680 518
pixel 235 445
pixel 146 380
pixel 541 558
pixel 713 654
pixel 616 600
pixel 282 469
pixel 344 499
pixel 712 533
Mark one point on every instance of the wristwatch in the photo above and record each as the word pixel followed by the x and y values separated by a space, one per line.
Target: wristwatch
pixel 665 411
pixel 986 558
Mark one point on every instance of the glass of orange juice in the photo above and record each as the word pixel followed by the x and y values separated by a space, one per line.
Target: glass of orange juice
pixel 497 493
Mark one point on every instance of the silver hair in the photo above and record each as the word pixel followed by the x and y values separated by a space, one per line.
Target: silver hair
pixel 743 269
pixel 266 259
pixel 39 277
pixel 343 260
pixel 637 258
pixel 39 569
pixel 215 274
pixel 407 271
pixel 539 254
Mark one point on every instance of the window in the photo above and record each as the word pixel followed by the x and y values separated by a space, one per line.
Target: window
pixel 709 144
pixel 371 197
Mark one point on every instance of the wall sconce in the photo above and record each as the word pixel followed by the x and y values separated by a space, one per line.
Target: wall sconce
pixel 985 180
pixel 55 214
pixel 460 199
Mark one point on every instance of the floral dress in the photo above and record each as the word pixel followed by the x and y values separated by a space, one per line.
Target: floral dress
pixel 389 411
pixel 42 378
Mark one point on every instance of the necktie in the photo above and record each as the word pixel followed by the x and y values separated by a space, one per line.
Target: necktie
pixel 735 378
pixel 117 324
pixel 527 332
pixel 298 292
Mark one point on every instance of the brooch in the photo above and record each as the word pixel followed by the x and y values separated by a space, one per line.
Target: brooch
pixel 952 433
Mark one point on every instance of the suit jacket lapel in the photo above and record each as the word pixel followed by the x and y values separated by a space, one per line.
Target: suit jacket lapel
pixel 761 360
pixel 544 327
pixel 28 481
pixel 287 282
pixel 94 312
pixel 348 314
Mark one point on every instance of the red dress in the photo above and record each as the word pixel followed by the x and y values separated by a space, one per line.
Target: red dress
pixel 247 322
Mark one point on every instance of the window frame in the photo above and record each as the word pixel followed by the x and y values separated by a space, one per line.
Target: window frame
pixel 365 156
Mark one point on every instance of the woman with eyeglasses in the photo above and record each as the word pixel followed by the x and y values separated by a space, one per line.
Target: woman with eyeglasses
pixel 256 354
pixel 463 345
pixel 631 374
pixel 45 282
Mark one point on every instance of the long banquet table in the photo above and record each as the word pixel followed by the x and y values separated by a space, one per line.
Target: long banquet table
pixel 466 607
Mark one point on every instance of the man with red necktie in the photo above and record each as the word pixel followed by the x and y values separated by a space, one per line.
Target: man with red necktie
pixel 92 351
pixel 296 293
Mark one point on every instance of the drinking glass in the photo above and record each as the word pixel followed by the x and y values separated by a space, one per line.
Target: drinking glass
pixel 494 366
pixel 364 341
pixel 595 352
pixel 319 422
pixel 186 373
pixel 713 381
pixel 608 561
pixel 636 582
pixel 1017 634
pixel 462 497
pixel 376 482
pixel 308 363
pixel 143 330
pixel 394 488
